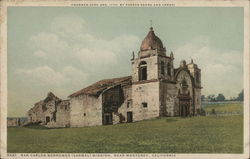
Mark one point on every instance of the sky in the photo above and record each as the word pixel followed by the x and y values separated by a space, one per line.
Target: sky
pixel 64 49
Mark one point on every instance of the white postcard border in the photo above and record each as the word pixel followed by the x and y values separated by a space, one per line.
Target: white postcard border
pixel 118 3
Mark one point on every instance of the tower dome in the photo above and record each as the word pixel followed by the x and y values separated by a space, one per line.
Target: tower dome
pixel 151 41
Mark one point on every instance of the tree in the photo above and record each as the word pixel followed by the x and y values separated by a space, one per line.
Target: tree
pixel 220 97
pixel 240 96
pixel 211 98
pixel 233 99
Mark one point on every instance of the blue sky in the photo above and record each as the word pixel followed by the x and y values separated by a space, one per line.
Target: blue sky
pixel 63 49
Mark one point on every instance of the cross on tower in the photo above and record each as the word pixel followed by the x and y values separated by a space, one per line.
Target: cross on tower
pixel 151 28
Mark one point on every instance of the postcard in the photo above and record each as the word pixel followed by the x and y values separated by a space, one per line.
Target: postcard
pixel 124 79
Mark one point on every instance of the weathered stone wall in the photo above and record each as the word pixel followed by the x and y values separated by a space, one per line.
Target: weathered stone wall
pixel 167 61
pixel 197 99
pixel 17 121
pixel 48 108
pixel 152 68
pixel 63 114
pixel 196 74
pixel 13 122
pixel 145 93
pixel 85 110
pixel 36 114
pixel 185 75
pixel 126 106
pixel 112 100
pixel 168 99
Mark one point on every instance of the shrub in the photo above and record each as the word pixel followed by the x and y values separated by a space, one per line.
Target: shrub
pixel 202 112
pixel 36 125
pixel 213 111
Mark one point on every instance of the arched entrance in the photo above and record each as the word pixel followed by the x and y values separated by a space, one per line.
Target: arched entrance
pixel 184 99
pixel 184 106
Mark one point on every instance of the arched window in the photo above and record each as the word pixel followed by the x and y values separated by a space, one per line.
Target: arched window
pixel 162 68
pixel 169 69
pixel 142 71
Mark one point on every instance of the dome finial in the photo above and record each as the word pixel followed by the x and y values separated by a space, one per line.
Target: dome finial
pixel 151 23
pixel 151 42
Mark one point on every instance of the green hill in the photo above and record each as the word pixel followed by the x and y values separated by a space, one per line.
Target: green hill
pixel 210 134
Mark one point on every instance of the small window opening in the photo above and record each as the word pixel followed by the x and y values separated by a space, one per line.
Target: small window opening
pixel 145 105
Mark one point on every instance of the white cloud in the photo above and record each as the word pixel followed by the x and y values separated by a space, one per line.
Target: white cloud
pixel 68 26
pixel 222 70
pixel 49 46
pixel 68 42
pixel 45 75
pixel 40 53
pixel 73 75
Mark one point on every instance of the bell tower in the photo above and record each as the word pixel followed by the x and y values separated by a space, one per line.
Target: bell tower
pixel 149 68
pixel 151 62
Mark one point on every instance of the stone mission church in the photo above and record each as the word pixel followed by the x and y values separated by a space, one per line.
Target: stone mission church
pixel 154 89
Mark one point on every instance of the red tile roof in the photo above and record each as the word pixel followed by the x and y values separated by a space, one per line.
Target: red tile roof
pixel 98 87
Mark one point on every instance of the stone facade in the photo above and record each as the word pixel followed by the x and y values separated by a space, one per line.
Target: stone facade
pixel 154 89
pixel 51 112
pixel 85 111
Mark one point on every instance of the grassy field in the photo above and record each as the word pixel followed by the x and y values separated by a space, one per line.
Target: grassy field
pixel 228 108
pixel 210 134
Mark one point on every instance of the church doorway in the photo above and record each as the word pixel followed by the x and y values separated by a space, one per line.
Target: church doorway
pixel 129 117
pixel 108 119
pixel 184 108
pixel 184 99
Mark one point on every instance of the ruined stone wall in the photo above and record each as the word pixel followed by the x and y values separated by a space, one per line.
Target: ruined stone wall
pixel 112 100
pixel 145 93
pixel 17 121
pixel 12 122
pixel 36 114
pixel 85 110
pixel 63 114
pixel 126 106
pixel 49 109
pixel 46 108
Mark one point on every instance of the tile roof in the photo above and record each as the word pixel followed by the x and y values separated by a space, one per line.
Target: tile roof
pixel 97 88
